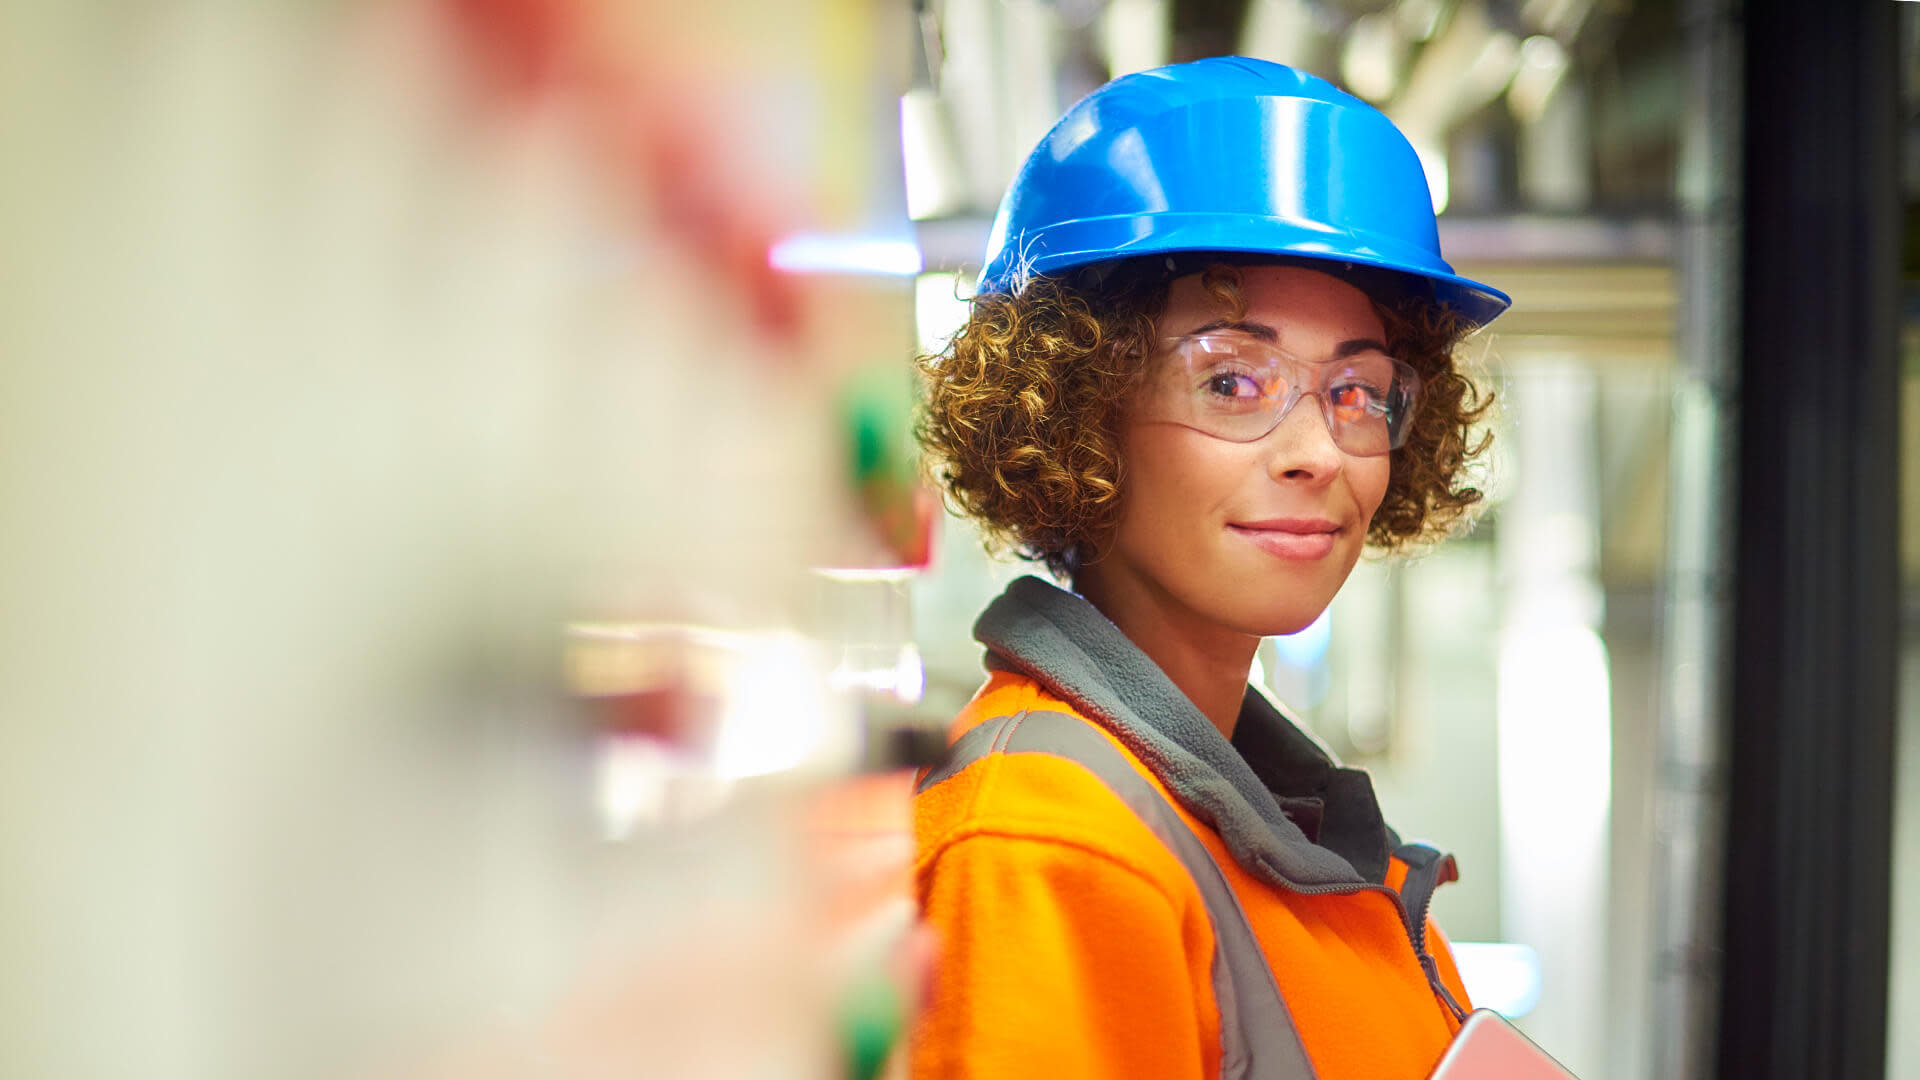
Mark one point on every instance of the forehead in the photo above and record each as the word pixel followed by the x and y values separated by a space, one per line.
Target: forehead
pixel 1300 304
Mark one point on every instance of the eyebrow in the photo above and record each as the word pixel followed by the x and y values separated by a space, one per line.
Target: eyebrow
pixel 1350 347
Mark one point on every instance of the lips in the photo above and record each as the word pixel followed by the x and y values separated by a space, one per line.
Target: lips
pixel 1301 539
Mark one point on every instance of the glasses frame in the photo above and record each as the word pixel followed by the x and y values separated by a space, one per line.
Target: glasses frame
pixel 1399 422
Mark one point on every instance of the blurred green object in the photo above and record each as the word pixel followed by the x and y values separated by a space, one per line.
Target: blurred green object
pixel 876 411
pixel 876 420
pixel 872 1016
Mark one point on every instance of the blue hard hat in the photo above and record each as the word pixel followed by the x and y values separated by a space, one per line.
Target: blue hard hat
pixel 1227 155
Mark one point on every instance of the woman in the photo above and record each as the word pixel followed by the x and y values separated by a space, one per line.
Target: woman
pixel 1136 864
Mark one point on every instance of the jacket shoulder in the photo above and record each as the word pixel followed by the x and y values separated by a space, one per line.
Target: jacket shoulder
pixel 1035 796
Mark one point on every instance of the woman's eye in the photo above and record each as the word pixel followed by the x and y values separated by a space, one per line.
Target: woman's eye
pixel 1354 401
pixel 1230 384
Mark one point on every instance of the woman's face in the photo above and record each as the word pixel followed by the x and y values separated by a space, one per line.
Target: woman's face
pixel 1253 537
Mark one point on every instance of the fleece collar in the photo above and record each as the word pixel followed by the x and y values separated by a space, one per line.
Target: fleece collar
pixel 1237 787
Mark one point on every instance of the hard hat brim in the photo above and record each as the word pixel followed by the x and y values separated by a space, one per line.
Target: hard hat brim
pixel 1400 269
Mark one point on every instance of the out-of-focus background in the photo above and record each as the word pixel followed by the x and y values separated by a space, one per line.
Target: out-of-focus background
pixel 467 599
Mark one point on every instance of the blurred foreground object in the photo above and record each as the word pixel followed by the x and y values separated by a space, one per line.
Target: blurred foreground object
pixel 353 351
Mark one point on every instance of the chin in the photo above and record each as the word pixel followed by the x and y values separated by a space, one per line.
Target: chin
pixel 1284 604
pixel 1281 619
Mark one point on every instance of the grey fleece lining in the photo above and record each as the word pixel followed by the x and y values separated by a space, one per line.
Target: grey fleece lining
pixel 1039 630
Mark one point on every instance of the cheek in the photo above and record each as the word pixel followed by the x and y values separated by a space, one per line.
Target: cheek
pixel 1173 476
pixel 1369 477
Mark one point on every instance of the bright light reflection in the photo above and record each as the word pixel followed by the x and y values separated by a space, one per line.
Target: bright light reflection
pixel 939 308
pixel 639 779
pixel 1499 976
pixel 861 575
pixel 1556 747
pixel 815 253
pixel 1556 778
pixel 775 707
pixel 904 680
pixel 770 720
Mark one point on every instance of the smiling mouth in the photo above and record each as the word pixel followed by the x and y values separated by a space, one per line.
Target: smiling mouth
pixel 1298 540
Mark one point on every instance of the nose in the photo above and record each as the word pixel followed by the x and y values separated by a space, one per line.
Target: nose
pixel 1300 448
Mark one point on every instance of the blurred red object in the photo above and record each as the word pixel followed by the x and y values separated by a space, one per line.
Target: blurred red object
pixel 674 712
pixel 524 43
pixel 664 134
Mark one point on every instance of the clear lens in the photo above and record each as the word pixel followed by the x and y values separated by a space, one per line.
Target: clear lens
pixel 1238 387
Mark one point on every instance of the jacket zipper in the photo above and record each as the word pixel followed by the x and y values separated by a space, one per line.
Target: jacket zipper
pixel 1416 930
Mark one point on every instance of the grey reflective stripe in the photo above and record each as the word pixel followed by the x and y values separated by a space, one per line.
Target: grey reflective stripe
pixel 1258 1040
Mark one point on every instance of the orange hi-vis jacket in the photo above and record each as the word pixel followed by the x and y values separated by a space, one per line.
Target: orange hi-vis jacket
pixel 1077 943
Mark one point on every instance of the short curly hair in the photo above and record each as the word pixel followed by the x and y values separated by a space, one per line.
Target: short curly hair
pixel 1023 409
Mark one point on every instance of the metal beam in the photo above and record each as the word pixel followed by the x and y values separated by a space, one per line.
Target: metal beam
pixel 1805 936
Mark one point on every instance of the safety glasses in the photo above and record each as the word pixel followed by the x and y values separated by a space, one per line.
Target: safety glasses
pixel 1238 387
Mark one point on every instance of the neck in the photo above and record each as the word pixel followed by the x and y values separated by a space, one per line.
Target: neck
pixel 1207 661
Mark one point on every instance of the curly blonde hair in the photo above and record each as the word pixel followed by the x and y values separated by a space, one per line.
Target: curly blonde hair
pixel 1023 409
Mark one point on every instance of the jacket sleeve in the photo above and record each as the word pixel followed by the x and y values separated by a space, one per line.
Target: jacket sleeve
pixel 1061 961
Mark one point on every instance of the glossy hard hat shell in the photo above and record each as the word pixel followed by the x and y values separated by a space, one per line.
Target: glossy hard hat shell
pixel 1229 155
